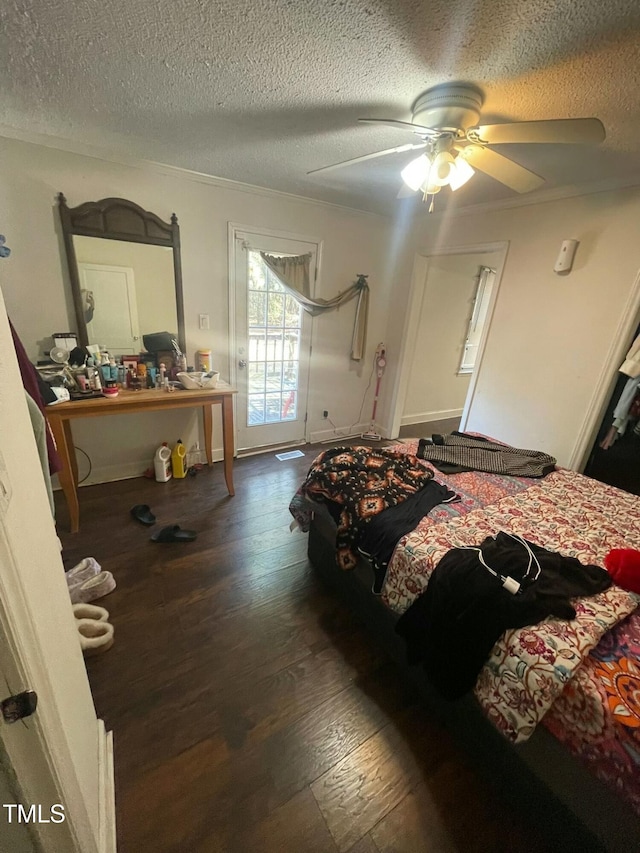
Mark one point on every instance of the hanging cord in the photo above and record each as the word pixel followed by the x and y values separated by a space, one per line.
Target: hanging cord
pixel 349 429
pixel 511 584
pixel 88 474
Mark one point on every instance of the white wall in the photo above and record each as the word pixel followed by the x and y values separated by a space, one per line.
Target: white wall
pixel 550 335
pixel 435 388
pixel 39 300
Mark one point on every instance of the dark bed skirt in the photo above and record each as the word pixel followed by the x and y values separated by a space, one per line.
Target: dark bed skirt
pixel 580 812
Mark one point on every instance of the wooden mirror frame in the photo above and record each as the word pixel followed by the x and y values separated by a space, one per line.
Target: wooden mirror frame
pixel 118 219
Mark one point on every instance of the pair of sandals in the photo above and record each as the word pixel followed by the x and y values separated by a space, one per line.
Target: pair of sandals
pixel 94 629
pixel 172 533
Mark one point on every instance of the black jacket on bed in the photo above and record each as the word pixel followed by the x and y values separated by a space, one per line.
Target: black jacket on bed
pixel 452 627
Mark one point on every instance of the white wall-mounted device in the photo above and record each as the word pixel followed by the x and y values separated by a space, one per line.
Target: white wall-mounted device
pixel 565 258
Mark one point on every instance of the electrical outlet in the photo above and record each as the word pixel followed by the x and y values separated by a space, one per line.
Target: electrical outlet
pixel 325 413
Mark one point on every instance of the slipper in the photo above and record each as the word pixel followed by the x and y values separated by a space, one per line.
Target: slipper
pixel 87 568
pixel 95 637
pixel 173 533
pixel 143 514
pixel 90 611
pixel 96 587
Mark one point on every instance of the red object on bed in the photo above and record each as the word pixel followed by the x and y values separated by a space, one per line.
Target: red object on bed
pixel 623 565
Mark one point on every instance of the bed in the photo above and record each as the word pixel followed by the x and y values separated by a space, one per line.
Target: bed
pixel 564 695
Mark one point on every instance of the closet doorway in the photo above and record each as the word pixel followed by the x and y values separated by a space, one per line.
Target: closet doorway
pixel 615 455
pixel 451 305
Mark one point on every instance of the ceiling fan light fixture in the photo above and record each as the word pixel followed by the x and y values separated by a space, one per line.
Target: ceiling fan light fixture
pixel 460 173
pixel 416 172
pixel 430 188
pixel 441 169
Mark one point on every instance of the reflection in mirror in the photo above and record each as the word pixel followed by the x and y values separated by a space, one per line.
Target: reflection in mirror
pixel 125 273
pixel 127 291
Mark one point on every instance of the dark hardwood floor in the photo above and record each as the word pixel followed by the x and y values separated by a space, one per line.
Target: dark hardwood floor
pixel 250 712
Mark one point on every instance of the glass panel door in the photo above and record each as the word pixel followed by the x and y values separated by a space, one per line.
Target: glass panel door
pixel 272 334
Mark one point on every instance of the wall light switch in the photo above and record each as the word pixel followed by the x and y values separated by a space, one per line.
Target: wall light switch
pixel 203 321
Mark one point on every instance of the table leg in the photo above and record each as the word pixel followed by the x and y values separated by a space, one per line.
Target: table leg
pixel 207 419
pixel 66 425
pixel 61 433
pixel 227 441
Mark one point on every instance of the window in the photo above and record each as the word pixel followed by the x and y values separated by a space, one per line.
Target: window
pixel 484 287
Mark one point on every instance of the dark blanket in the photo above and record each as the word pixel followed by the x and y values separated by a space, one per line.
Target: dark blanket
pixel 452 627
pixel 380 537
pixel 460 452
pixel 364 481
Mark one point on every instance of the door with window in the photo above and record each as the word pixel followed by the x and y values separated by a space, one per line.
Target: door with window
pixel 272 345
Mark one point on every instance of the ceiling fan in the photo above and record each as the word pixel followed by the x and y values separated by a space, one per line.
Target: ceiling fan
pixel 445 118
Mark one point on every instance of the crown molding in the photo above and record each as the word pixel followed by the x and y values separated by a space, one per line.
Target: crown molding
pixel 543 196
pixel 108 155
pixel 120 158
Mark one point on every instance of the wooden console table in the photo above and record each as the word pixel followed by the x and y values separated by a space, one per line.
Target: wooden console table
pixel 131 402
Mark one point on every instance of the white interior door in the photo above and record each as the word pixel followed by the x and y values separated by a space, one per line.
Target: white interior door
pixel 272 346
pixel 111 309
pixel 60 754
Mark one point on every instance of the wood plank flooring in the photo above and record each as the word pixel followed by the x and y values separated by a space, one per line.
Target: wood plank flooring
pixel 250 712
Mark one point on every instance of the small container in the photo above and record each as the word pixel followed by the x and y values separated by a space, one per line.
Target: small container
pixel 203 360
pixel 178 460
pixel 162 463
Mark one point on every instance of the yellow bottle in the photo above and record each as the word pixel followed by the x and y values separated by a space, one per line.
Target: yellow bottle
pixel 178 460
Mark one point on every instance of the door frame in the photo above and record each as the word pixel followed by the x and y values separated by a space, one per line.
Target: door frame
pixel 235 230
pixel 417 292
pixel 627 324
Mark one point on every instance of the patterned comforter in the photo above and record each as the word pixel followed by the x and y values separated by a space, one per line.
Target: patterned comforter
pixel 580 678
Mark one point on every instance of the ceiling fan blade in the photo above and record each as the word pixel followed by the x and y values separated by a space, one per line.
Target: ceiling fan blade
pixel 398 150
pixel 501 168
pixel 420 129
pixel 560 130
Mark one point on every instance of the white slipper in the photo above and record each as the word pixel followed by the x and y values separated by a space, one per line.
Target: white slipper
pixel 96 587
pixel 87 568
pixel 95 637
pixel 90 611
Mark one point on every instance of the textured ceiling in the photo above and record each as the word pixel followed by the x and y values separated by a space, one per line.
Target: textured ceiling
pixel 262 91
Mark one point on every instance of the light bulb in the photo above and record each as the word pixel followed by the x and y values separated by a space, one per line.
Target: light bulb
pixel 415 173
pixel 441 169
pixel 460 173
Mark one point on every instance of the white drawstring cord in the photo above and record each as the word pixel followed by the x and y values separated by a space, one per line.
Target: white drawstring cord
pixel 510 584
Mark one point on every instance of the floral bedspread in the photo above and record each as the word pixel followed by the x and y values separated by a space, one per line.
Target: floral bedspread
pixel 597 716
pixel 567 512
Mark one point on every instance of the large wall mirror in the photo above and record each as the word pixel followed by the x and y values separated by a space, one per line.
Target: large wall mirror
pixel 125 273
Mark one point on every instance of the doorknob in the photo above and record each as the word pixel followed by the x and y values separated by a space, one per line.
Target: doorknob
pixel 242 363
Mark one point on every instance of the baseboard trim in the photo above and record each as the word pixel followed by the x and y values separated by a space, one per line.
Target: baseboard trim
pixel 106 791
pixel 131 470
pixel 339 432
pixel 426 417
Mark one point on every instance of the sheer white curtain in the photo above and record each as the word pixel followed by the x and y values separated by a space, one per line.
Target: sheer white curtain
pixel 293 274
